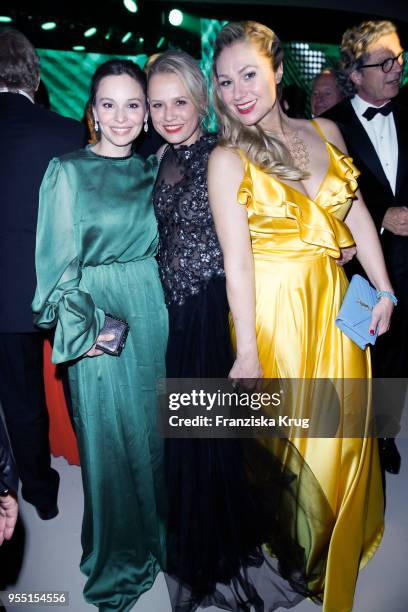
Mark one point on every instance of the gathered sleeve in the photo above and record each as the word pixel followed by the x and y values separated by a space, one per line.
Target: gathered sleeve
pixel 59 301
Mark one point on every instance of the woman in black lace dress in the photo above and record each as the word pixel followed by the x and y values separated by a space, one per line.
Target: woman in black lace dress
pixel 191 265
pixel 190 258
pixel 192 274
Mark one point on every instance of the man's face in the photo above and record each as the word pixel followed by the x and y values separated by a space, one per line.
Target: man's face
pixel 325 93
pixel 373 84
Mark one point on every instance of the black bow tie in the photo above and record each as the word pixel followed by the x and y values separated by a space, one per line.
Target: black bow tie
pixel 372 111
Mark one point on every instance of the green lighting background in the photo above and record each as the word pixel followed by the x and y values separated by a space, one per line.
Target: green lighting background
pixel 303 61
pixel 67 74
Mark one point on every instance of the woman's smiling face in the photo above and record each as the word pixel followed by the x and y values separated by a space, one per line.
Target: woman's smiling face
pixel 247 83
pixel 172 110
pixel 120 109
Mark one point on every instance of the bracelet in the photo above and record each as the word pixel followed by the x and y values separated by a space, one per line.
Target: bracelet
pixel 388 295
pixel 4 492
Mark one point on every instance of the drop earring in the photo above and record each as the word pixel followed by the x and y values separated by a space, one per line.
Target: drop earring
pixel 96 126
pixel 146 125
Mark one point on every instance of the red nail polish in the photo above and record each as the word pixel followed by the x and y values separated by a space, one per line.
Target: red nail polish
pixel 372 332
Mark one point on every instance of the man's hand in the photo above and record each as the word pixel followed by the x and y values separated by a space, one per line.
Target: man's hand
pixel 396 220
pixel 346 255
pixel 8 516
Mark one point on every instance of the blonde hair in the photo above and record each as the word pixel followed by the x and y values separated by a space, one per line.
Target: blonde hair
pixel 260 146
pixel 354 46
pixel 151 59
pixel 188 71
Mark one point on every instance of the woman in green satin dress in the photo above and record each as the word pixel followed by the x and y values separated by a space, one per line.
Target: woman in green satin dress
pixel 96 242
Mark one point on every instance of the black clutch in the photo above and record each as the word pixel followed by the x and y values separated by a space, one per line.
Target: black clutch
pixel 119 329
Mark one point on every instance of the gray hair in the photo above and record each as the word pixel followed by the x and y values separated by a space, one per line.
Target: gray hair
pixel 353 51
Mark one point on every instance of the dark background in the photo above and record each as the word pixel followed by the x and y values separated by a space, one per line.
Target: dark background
pixel 311 20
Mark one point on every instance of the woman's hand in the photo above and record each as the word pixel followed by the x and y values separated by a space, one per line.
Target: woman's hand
pixel 246 367
pixel 93 351
pixel 381 316
pixel 346 255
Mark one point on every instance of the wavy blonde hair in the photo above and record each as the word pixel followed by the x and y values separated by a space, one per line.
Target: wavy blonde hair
pixel 260 146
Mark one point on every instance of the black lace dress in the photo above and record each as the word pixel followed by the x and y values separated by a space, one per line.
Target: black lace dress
pixel 217 521
pixel 191 265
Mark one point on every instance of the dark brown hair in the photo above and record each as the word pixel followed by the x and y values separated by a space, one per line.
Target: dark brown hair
pixel 116 67
pixel 19 62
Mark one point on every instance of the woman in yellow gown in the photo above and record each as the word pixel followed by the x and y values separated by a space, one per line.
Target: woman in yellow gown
pixel 287 211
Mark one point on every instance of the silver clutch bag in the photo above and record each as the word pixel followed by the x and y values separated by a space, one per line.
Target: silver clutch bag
pixel 119 329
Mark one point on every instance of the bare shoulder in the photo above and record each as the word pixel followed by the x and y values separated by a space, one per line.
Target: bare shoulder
pixel 223 159
pixel 331 132
pixel 327 125
pixel 225 174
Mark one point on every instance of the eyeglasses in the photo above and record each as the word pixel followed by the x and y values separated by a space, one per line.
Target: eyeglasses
pixel 388 64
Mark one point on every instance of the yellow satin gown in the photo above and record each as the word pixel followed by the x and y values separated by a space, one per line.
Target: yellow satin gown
pixel 299 291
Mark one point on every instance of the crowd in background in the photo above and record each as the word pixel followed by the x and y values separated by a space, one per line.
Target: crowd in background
pixel 224 255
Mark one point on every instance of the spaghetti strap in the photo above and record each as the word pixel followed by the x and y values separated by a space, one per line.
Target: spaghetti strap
pixel 319 130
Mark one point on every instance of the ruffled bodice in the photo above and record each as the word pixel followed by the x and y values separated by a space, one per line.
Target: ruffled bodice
pixel 285 222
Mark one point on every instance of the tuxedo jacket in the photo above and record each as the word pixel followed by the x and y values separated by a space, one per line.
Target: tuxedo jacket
pixel 30 136
pixel 374 185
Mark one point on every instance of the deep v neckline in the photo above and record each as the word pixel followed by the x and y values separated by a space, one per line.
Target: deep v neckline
pixel 322 182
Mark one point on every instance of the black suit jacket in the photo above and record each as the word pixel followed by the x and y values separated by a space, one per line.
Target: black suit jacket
pixel 30 136
pixel 374 185
pixel 8 469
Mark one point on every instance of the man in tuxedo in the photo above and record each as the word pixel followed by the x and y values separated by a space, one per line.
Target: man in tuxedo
pixel 375 128
pixel 30 137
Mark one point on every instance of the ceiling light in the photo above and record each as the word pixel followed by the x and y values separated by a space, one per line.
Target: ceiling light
pixel 90 32
pixel 126 37
pixel 48 25
pixel 131 5
pixel 176 17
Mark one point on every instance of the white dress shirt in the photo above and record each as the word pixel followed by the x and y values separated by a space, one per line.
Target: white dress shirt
pixel 383 135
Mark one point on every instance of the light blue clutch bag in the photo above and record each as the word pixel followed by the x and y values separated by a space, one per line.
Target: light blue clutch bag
pixel 355 313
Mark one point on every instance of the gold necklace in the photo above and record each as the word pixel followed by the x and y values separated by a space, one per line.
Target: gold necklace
pixel 298 150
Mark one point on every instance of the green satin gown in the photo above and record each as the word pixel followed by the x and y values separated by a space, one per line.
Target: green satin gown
pixel 96 242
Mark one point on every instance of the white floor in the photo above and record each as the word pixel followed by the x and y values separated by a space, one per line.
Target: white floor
pixel 52 552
